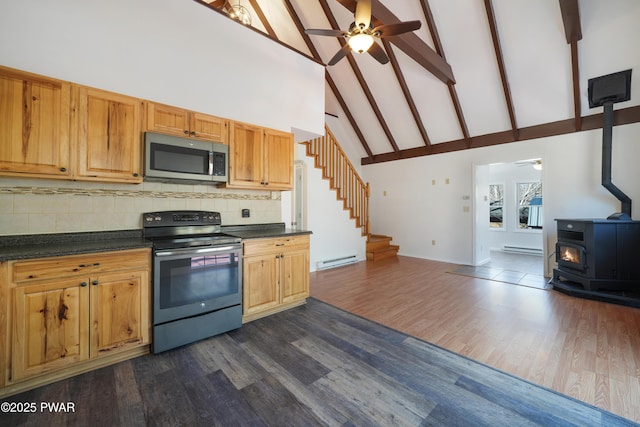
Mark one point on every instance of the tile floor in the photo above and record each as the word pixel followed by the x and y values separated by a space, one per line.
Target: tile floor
pixel 519 269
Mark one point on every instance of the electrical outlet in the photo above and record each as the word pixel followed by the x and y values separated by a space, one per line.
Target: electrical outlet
pixel 246 213
pixel 433 243
pixel 433 182
pixel 446 181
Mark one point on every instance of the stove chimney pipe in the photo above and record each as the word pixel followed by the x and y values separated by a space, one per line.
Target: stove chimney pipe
pixel 607 131
pixel 606 91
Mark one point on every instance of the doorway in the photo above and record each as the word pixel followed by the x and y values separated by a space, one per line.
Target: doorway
pixel 508 212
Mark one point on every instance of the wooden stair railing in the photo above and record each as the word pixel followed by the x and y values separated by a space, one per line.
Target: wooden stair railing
pixel 336 167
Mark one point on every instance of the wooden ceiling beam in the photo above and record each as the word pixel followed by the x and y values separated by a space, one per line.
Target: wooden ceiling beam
pixel 493 27
pixel 435 36
pixel 622 116
pixel 571 20
pixel 363 84
pixel 354 125
pixel 263 18
pixel 409 43
pixel 407 93
pixel 570 12
pixel 575 73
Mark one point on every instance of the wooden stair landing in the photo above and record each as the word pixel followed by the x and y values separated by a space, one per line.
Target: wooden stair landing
pixel 380 247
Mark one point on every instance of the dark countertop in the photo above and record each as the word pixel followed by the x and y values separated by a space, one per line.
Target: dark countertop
pixel 45 245
pixel 261 231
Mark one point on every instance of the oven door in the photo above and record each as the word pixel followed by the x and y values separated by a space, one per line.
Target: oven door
pixel 190 282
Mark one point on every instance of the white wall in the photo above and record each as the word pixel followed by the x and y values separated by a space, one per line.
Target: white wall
pixel 415 211
pixel 171 51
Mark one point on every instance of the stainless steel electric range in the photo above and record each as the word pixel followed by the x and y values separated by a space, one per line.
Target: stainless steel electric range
pixel 197 277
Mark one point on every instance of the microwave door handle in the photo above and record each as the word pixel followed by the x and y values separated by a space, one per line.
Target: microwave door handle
pixel 211 163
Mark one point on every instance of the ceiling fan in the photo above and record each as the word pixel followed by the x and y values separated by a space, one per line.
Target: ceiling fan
pixel 361 35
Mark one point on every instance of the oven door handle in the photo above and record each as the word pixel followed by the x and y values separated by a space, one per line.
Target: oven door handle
pixel 207 250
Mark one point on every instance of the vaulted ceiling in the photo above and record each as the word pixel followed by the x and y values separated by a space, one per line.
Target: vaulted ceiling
pixel 477 72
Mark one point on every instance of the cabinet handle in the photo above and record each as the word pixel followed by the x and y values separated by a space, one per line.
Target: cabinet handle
pixel 95 264
pixel 186 132
pixel 83 284
pixel 193 133
pixel 94 283
pixel 279 244
pixel 63 169
pixel 135 174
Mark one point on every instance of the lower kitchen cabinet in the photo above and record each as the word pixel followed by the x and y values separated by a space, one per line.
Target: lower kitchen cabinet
pixel 275 275
pixel 71 314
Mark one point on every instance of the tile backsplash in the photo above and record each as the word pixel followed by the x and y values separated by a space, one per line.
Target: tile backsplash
pixel 29 206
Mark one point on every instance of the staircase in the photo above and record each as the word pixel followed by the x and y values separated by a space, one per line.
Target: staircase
pixel 350 189
pixel 380 247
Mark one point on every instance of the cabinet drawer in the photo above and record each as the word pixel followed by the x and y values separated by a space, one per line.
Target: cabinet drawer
pixel 74 265
pixel 261 246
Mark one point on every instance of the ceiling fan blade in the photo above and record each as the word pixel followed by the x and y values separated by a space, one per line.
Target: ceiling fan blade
pixel 396 29
pixel 378 53
pixel 330 33
pixel 363 14
pixel 341 54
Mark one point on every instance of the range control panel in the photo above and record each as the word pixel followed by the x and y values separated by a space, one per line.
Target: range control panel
pixel 180 218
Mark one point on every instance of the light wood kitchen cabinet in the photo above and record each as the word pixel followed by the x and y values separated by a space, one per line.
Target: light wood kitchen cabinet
pixel 260 158
pixel 73 313
pixel 34 125
pixel 275 275
pixel 180 122
pixel 109 139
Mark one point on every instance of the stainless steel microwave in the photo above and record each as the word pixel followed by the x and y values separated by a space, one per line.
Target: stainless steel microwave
pixel 176 159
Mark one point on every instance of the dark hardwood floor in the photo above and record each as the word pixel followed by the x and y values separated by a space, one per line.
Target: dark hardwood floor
pixel 585 349
pixel 312 365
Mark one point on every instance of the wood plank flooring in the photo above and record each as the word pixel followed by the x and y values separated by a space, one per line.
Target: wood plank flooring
pixel 586 349
pixel 311 365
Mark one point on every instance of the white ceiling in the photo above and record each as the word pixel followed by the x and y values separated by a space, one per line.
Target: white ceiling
pixel 534 48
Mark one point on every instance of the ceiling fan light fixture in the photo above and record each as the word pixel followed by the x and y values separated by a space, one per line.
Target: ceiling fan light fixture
pixel 360 42
pixel 240 13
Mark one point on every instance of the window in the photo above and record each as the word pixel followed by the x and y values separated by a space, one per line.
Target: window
pixel 496 206
pixel 529 205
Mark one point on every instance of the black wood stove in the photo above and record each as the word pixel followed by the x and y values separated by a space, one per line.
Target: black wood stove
pixel 599 258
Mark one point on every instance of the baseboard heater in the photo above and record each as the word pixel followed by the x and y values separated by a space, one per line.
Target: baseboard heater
pixel 522 250
pixel 336 262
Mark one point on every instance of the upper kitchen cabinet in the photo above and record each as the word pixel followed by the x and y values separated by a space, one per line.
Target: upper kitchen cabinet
pixel 260 158
pixel 109 137
pixel 34 125
pixel 177 121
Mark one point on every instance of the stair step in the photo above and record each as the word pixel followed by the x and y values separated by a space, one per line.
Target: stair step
pixel 377 241
pixel 387 252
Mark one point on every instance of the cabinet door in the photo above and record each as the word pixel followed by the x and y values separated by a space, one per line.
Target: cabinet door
pixel 119 317
pixel 278 160
pixel 167 119
pixel 260 290
pixel 294 275
pixel 51 327
pixel 246 154
pixel 109 136
pixel 211 128
pixel 34 125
